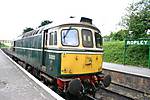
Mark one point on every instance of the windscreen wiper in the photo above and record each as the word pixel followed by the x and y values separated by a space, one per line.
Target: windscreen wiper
pixel 67 32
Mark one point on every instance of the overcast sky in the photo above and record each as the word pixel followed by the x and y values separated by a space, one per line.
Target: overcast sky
pixel 15 15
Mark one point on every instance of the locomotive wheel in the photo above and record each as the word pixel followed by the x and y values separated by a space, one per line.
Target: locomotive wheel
pixel 75 87
pixel 107 80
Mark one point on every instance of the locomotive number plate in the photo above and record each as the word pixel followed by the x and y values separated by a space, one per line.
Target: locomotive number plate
pixel 52 57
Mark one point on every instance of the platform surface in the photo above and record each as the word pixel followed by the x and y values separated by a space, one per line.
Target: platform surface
pixel 15 85
pixel 145 72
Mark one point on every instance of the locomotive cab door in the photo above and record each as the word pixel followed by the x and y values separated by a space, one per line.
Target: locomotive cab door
pixel 49 45
pixel 14 45
pixel 44 45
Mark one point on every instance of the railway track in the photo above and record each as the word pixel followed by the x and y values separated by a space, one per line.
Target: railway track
pixel 129 92
pixel 118 92
pixel 106 94
pixel 131 86
pixel 109 94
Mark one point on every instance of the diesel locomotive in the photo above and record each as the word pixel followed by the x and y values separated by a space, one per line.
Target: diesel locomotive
pixel 67 57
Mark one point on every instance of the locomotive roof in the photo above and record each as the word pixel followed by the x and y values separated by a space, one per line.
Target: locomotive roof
pixel 70 22
pixel 61 23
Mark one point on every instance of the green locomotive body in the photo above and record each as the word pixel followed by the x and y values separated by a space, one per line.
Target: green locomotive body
pixel 64 54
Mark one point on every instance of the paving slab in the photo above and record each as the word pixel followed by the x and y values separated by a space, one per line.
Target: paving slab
pixel 145 72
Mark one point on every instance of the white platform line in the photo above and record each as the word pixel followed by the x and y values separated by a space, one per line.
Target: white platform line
pixel 52 93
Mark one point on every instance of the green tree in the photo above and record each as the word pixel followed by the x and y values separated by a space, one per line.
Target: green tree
pixel 137 19
pixel 45 22
pixel 113 36
pixel 120 35
pixel 27 29
pixel 106 38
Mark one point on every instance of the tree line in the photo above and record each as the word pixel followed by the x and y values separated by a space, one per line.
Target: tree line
pixel 43 23
pixel 136 22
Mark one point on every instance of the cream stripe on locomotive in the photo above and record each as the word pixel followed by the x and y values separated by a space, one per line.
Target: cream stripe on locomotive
pixel 72 52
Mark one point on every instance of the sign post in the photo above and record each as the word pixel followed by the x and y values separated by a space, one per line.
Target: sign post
pixel 149 58
pixel 124 55
pixel 140 42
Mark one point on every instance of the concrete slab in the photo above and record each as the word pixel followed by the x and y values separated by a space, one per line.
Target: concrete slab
pixel 145 72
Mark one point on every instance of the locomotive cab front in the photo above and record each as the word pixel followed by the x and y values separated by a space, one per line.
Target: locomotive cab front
pixel 78 60
pixel 82 51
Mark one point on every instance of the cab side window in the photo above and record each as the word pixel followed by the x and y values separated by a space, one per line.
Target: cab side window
pixel 98 40
pixel 87 38
pixel 53 38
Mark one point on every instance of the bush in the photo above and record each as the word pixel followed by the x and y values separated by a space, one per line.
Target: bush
pixel 113 52
pixel 135 55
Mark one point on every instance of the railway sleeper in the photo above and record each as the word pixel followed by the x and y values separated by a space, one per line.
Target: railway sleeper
pixel 128 92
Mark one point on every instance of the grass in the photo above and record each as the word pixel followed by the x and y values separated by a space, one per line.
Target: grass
pixel 135 55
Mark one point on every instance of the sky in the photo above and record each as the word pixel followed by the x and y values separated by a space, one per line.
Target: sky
pixel 16 15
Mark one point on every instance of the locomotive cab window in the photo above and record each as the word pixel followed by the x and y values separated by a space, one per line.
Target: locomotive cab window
pixel 87 38
pixel 53 38
pixel 70 37
pixel 98 40
pixel 46 37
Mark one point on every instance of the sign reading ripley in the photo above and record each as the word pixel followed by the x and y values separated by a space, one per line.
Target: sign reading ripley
pixel 137 42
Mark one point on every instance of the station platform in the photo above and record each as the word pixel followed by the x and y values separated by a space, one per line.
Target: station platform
pixel 145 72
pixel 18 84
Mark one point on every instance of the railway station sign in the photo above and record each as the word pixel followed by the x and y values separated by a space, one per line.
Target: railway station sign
pixel 137 42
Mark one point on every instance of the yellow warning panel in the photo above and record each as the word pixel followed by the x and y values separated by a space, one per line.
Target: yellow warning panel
pixel 81 63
